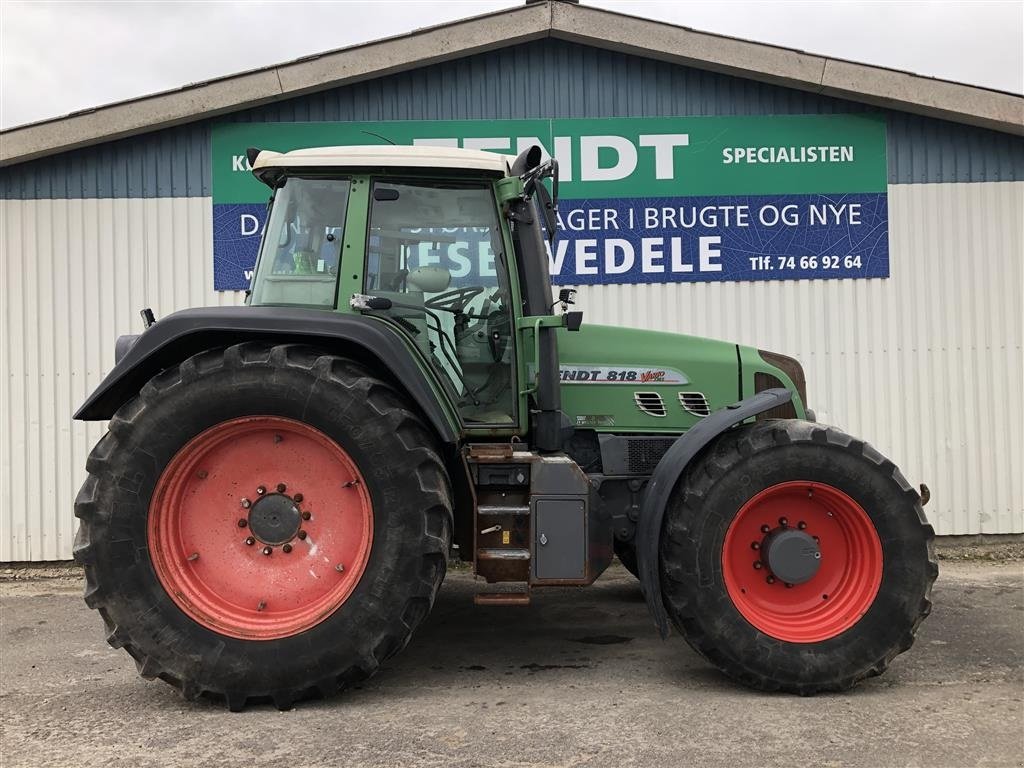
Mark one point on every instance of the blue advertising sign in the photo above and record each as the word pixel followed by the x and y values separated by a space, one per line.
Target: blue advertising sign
pixel 645 200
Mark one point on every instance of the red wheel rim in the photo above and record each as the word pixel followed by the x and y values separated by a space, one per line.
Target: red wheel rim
pixel 848 576
pixel 304 542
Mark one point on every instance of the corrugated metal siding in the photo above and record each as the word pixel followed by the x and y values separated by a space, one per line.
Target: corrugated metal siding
pixel 544 78
pixel 75 274
pixel 926 365
pixel 174 162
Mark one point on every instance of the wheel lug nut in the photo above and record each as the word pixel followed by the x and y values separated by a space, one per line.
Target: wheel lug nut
pixel 788 585
pixel 280 487
pixel 242 522
pixel 250 541
pixel 262 605
pixel 815 539
pixel 261 490
pixel 801 525
pixel 301 535
pixel 754 545
pixel 267 550
pixel 758 565
pixel 770 579
pixel 246 503
pixel 783 522
pixel 287 548
pixel 202 474
pixel 765 529
pixel 339 567
pixel 193 557
pixel 297 497
pixel 306 515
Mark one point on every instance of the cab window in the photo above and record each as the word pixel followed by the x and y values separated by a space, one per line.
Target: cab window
pixel 435 249
pixel 301 249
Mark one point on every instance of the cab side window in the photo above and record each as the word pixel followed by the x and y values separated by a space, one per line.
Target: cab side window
pixel 301 249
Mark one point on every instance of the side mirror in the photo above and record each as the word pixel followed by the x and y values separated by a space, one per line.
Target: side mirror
pixel 554 182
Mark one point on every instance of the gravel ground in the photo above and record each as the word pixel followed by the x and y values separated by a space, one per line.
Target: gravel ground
pixel 579 678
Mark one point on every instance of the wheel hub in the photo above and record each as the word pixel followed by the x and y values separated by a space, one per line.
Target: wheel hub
pixel 791 555
pixel 275 519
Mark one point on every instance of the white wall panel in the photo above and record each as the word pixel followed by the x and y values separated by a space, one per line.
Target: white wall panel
pixel 927 365
pixel 75 274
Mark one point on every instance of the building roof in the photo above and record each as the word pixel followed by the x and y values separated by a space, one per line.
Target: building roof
pixel 376 156
pixel 878 86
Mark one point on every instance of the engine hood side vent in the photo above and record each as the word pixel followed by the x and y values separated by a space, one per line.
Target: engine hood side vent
pixel 650 403
pixel 695 403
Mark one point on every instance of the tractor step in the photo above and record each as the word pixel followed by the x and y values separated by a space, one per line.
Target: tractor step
pixel 502 598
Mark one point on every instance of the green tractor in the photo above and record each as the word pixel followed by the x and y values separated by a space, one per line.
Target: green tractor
pixel 271 512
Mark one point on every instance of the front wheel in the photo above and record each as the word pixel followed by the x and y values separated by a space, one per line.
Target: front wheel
pixel 263 522
pixel 796 558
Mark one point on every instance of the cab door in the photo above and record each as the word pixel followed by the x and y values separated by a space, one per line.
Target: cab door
pixel 435 248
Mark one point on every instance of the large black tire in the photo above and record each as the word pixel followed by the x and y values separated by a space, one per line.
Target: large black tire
pixel 412 523
pixel 739 465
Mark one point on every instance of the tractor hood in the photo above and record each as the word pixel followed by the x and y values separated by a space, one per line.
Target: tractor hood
pixel 627 380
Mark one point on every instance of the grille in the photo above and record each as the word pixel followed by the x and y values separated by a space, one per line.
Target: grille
pixel 695 403
pixel 650 403
pixel 643 454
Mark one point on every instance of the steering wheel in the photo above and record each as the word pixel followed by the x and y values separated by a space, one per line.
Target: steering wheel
pixel 498 332
pixel 454 300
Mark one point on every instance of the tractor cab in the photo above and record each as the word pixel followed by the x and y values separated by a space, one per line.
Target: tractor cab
pixel 417 236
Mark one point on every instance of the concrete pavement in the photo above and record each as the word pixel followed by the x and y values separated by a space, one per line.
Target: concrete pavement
pixel 579 678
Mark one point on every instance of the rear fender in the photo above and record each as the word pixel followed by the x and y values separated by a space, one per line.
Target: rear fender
pixel 183 334
pixel 666 477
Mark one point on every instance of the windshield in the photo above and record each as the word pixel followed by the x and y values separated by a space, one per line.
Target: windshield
pixel 435 250
pixel 301 249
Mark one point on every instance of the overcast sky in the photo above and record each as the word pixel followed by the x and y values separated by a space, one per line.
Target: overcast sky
pixel 58 57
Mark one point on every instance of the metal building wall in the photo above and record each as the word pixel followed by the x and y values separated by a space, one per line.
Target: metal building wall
pixel 927 364
pixel 75 274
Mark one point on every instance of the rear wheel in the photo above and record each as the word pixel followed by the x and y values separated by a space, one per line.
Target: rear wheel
pixel 263 523
pixel 796 558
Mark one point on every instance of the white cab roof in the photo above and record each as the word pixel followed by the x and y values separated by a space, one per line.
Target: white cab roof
pixel 385 155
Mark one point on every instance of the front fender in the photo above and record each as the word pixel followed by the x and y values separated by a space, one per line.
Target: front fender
pixel 183 334
pixel 666 476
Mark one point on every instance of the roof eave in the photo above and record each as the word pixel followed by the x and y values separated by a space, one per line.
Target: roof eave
pixel 864 83
pixel 878 86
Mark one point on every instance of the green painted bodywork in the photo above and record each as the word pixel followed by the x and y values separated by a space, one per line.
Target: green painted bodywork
pixel 709 367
